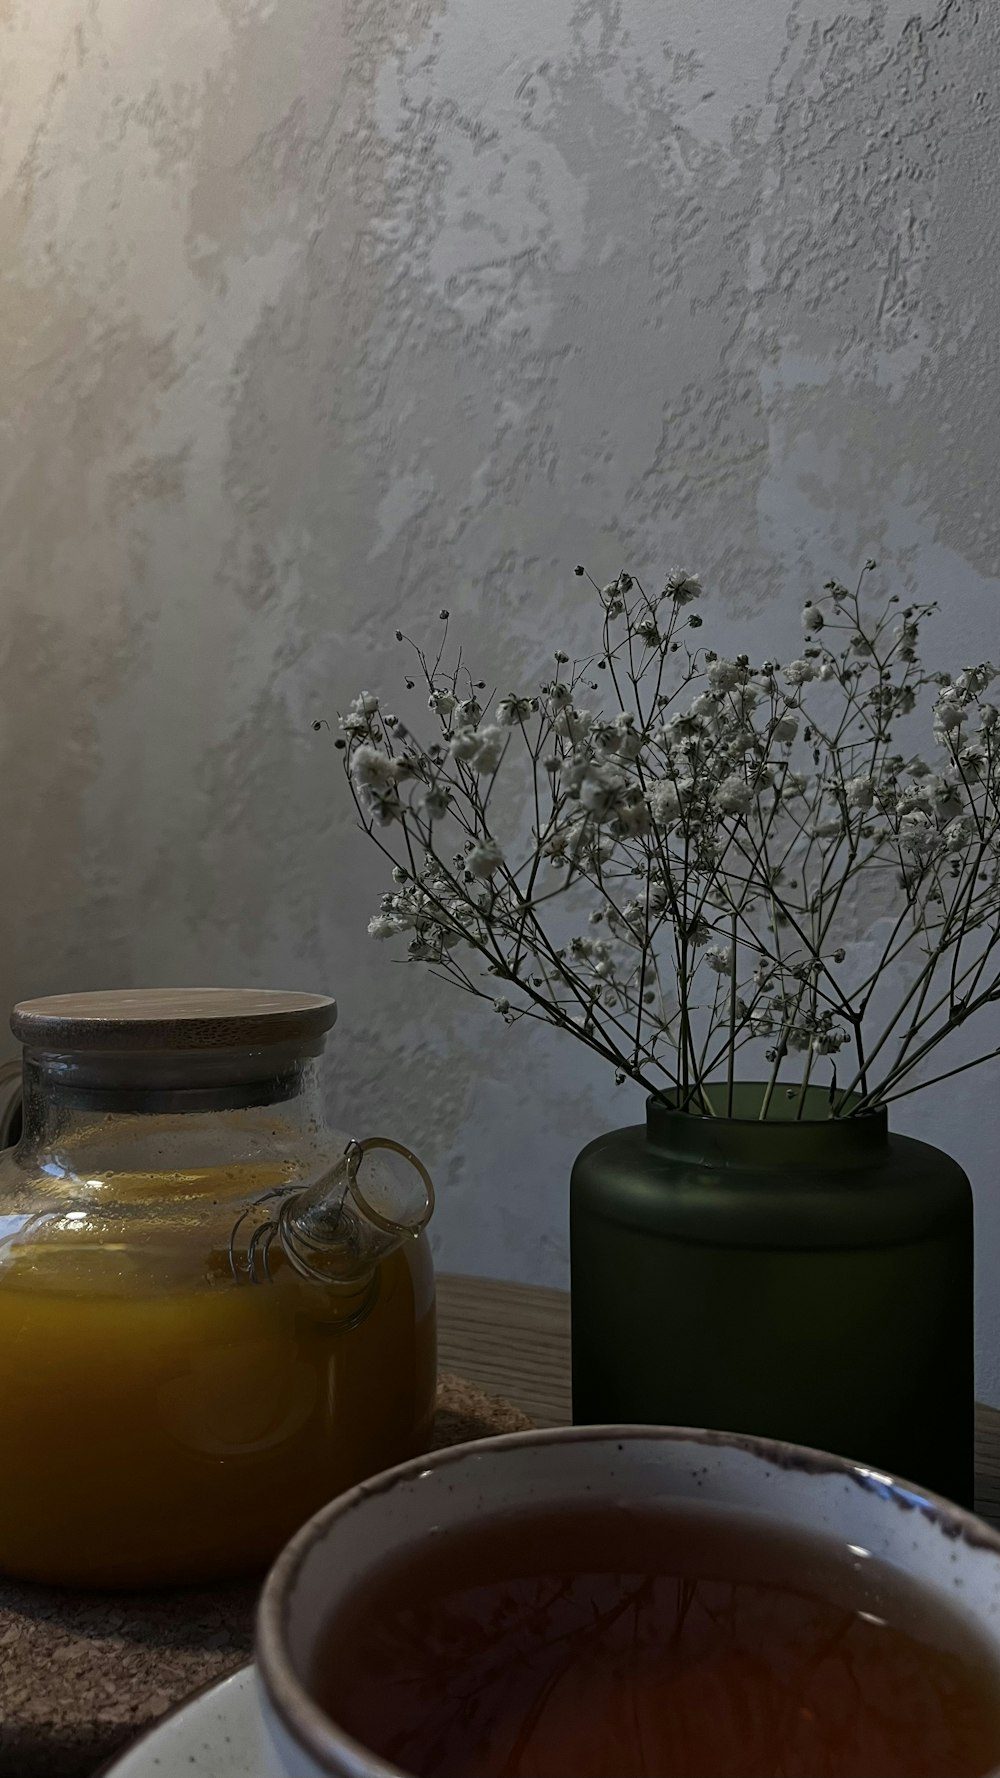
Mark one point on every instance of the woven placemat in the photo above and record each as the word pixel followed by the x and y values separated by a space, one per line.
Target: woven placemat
pixel 82 1673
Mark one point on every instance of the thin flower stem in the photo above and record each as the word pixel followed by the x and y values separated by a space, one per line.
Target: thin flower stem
pixel 732 1024
pixel 984 998
pixel 807 1067
pixel 882 1098
pixel 920 1018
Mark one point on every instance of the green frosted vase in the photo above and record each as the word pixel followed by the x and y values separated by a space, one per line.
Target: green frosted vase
pixel 809 1279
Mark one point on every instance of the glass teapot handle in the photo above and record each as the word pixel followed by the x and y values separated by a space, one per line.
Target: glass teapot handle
pixel 10 1100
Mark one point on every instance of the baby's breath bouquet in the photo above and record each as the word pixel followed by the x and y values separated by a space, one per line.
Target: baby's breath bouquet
pixel 680 857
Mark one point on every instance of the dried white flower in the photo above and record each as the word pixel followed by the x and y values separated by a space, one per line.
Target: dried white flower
pixel 426 947
pixel 570 723
pixel 358 720
pixel 372 769
pixel 682 587
pixel 724 675
pixel 601 790
pixel 355 724
pixel 800 672
pixel 467 712
pixel 512 710
pixel 761 1024
pixel 632 816
pixel 442 701
pixel 733 795
pixel 699 931
pixel 383 926
pixel 384 805
pixel 464 745
pixel 959 833
pixel 664 801
pixel 433 802
pixel 973 760
pixel 719 958
pixel 947 717
pixel 972 680
pixel 812 618
pixel 618 737
pixel 484 858
pixel 917 832
pixel 491 741
pixel 479 748
pixel 860 792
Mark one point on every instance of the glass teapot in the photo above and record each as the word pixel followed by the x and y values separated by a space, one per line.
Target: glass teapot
pixel 215 1312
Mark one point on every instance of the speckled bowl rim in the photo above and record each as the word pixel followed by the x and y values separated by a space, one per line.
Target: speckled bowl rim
pixel 336 1751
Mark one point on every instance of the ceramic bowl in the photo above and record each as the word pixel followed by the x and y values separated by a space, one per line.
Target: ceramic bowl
pixel 952 1553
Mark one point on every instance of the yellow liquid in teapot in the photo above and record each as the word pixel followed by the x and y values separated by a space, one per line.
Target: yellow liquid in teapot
pixel 162 1423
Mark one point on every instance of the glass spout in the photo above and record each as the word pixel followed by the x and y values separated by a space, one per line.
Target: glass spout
pixel 358 1212
pixel 336 1231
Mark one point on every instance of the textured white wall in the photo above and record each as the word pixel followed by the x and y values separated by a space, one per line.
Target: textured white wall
pixel 318 315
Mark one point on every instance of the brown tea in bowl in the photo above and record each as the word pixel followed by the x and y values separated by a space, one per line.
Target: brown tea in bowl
pixel 656 1642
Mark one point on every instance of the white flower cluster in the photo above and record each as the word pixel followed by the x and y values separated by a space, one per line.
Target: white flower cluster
pixel 377 777
pixel 682 587
pixel 959 704
pixel 481 749
pixel 713 812
pixel 358 720
pixel 434 910
pixel 513 710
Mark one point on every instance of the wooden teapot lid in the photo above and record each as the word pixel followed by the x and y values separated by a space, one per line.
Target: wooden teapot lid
pixel 172 1019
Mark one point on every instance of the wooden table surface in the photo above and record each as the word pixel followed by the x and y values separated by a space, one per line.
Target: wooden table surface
pixel 79 1673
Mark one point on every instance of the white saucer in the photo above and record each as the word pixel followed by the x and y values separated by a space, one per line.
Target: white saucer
pixel 216 1734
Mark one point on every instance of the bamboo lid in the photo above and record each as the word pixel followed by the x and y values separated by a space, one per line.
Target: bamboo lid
pixel 172 1019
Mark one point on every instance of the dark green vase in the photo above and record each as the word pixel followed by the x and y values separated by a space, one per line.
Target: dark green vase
pixel 810 1280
